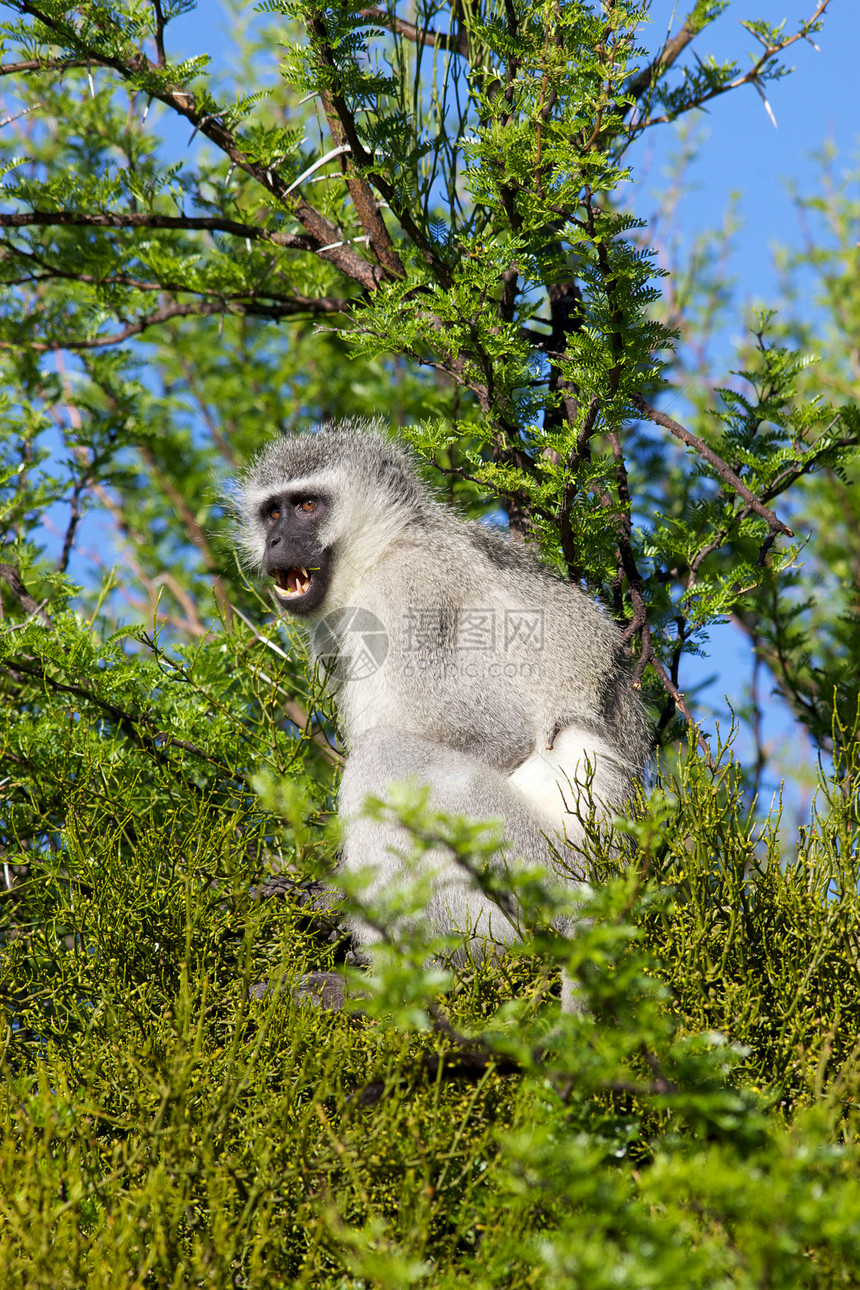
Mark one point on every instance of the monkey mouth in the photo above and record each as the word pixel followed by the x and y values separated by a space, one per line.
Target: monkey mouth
pixel 290 583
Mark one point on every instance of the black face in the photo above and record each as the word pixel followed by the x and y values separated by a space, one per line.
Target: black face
pixel 294 555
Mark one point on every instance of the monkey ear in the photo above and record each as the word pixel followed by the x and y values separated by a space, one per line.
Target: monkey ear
pixel 392 471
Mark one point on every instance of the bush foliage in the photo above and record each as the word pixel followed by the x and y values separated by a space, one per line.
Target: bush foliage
pixel 422 214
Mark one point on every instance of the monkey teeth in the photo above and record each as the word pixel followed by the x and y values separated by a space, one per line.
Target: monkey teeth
pixel 295 582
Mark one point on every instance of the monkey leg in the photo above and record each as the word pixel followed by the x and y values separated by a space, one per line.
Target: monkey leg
pixel 460 785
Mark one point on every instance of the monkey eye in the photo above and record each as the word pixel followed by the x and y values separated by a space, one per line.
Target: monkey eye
pixel 308 505
pixel 275 513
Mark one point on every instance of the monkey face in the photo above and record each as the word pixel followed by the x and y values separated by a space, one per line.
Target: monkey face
pixel 293 553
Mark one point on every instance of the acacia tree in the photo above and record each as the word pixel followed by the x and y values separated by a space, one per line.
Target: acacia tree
pixel 433 197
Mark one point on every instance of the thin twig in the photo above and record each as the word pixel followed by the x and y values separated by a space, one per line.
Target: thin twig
pixel 126 721
pixel 681 704
pixel 752 77
pixel 47 65
pixel 71 529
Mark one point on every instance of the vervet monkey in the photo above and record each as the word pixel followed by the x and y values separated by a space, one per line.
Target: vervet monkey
pixel 459 659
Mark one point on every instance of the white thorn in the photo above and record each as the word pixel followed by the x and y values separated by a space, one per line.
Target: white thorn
pixel 332 246
pixel 767 106
pixel 329 156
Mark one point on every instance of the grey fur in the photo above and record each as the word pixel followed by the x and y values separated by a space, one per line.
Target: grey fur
pixel 498 723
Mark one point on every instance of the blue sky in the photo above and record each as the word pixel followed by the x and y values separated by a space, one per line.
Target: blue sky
pixel 742 151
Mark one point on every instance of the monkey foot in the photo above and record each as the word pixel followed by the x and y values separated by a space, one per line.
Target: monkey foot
pixel 319 989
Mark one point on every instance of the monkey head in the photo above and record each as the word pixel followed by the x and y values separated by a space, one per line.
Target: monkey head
pixel 317 513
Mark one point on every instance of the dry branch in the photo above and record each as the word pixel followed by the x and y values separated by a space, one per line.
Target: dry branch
pixel 137 219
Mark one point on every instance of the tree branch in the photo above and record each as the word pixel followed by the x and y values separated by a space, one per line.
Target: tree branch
pixel 160 24
pixel 72 527
pixel 135 219
pixel 681 704
pixel 672 49
pixel 455 43
pixel 47 65
pixel 11 575
pixel 139 70
pixel 298 306
pixel 626 558
pixel 50 272
pixel 725 472
pixel 342 124
pixel 345 136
